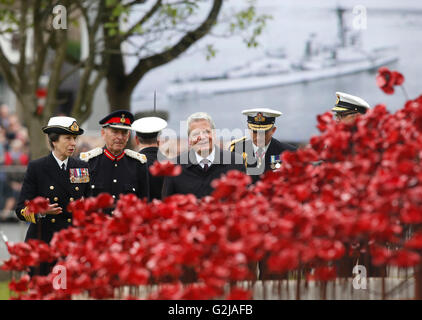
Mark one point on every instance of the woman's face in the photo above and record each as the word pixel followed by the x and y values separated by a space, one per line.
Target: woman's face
pixel 65 146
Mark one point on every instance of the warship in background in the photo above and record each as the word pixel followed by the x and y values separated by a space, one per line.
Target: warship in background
pixel 276 69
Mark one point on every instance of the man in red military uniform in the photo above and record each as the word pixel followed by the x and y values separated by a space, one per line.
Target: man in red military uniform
pixel 113 168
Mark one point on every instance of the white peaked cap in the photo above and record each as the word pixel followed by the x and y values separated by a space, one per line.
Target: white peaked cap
pixel 149 125
pixel 348 102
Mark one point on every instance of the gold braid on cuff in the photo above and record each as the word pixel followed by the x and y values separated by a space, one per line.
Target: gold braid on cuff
pixel 29 216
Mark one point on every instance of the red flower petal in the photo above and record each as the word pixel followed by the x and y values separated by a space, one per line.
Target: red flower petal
pixel 239 294
pixel 166 168
pixel 388 90
pixel 405 259
pixel 324 274
pixel 37 205
pixel 398 78
pixel 415 242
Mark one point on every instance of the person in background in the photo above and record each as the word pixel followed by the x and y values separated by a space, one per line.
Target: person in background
pixel 147 140
pixel 4 115
pixel 16 155
pixel 348 107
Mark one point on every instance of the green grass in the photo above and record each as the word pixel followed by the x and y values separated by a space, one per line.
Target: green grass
pixel 4 290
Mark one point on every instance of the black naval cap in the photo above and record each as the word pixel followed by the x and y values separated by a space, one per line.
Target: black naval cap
pixel 120 119
pixel 63 125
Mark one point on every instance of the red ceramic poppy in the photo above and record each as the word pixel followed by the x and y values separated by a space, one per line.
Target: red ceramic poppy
pixel 166 168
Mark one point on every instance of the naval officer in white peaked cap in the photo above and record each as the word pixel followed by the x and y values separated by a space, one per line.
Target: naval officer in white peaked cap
pixel 261 152
pixel 348 107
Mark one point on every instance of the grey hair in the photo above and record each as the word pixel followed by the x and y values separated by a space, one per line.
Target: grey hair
pixel 200 116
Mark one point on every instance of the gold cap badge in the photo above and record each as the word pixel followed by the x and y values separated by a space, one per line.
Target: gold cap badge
pixel 74 126
pixel 259 117
pixel 122 119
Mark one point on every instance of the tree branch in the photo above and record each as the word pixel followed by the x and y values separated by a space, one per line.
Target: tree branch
pixel 144 19
pixel 54 81
pixel 21 68
pixel 40 45
pixel 144 65
pixel 131 3
pixel 84 86
pixel 8 71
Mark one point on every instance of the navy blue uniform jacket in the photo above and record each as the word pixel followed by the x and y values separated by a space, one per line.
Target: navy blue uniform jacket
pixel 45 178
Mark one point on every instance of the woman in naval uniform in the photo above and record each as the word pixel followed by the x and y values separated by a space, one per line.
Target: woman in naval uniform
pixel 58 177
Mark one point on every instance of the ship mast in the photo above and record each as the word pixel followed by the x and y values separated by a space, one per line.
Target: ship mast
pixel 341 27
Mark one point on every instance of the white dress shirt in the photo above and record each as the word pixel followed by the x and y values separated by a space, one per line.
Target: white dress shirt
pixel 60 162
pixel 255 148
pixel 201 161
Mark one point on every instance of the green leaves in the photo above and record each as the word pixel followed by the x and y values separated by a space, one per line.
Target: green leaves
pixel 117 12
pixel 8 16
pixel 249 24
pixel 210 51
pixel 112 28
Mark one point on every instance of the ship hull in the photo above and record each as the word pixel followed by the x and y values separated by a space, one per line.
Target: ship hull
pixel 219 86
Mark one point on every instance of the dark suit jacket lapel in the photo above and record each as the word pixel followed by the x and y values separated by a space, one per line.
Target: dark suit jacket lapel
pixel 270 152
pixel 191 159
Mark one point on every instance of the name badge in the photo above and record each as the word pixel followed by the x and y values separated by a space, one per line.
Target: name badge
pixel 79 175
pixel 275 162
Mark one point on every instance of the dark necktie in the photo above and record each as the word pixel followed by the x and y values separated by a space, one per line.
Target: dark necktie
pixel 206 166
pixel 63 167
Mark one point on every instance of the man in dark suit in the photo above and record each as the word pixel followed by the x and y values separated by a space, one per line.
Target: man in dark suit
pixel 58 177
pixel 114 169
pixel 262 152
pixel 204 161
pixel 147 132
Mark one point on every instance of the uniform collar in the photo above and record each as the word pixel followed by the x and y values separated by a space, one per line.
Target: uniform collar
pixel 60 162
pixel 112 157
pixel 150 148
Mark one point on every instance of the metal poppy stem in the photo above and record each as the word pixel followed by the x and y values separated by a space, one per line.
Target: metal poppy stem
pixel 405 93
pixel 383 293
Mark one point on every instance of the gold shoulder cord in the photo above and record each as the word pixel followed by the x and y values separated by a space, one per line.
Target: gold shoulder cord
pixel 245 158
pixel 232 147
pixel 29 216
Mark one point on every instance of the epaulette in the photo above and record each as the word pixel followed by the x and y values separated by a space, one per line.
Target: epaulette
pixel 236 141
pixel 136 155
pixel 85 156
